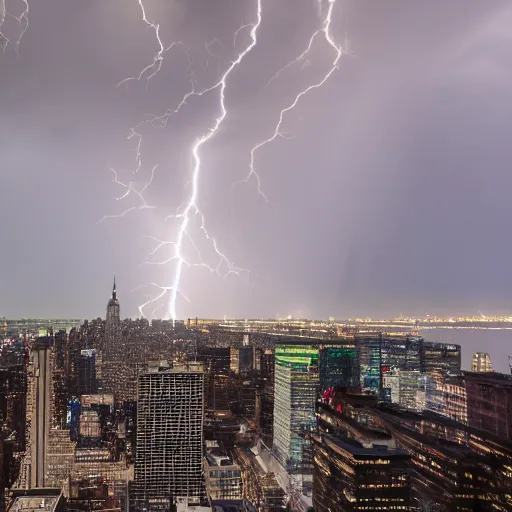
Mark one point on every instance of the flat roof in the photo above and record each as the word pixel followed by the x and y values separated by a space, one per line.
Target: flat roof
pixel 45 500
pixel 181 368
pixel 297 340
pixel 359 452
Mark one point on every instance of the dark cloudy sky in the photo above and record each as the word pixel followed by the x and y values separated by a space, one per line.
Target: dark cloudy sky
pixel 391 192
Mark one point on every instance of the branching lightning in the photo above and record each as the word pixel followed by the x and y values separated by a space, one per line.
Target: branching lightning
pixel 186 213
pixel 189 213
pixel 155 66
pixel 325 31
pixel 129 188
pixel 22 21
pixel 191 207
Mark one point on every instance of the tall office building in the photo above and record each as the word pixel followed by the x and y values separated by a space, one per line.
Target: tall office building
pixel 49 452
pixel 267 368
pixel 408 389
pixel 113 353
pixel 216 362
pixel 440 356
pixel 358 465
pixel 295 391
pixel 246 359
pixel 86 370
pixel 455 467
pixel 481 362
pixel 61 338
pixel 13 394
pixel 446 395
pixel 339 364
pixel 489 403
pixel 113 319
pixel 169 459
pixel 366 477
pixel 216 359
pixel 38 411
pixel 381 352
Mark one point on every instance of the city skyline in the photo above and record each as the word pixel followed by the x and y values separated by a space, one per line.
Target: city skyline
pixel 128 415
pixel 387 194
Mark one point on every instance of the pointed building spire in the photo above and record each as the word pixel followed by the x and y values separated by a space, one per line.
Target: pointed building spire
pixel 114 295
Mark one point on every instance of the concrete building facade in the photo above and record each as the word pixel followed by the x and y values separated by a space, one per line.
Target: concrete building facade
pixel 169 459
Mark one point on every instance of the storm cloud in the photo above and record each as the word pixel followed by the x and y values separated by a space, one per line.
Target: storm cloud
pixel 390 192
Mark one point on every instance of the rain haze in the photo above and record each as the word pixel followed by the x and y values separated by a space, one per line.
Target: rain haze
pixel 388 191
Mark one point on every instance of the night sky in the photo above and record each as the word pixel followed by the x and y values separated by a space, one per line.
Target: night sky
pixel 389 192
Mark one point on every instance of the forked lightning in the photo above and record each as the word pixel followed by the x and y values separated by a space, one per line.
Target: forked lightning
pixel 21 20
pixel 190 210
pixel 326 32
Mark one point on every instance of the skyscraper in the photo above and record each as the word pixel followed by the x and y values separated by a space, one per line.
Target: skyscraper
pixel 113 316
pixel 246 359
pixel 112 348
pixel 295 392
pixel 170 411
pixel 358 470
pixel 489 403
pixel 380 352
pixel 339 364
pixel 267 364
pixel 87 372
pixel 39 415
pixel 49 449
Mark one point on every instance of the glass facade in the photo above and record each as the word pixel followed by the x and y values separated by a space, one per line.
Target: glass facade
pixel 357 467
pixel 246 360
pixel 440 356
pixel 380 353
pixel 296 390
pixel 446 395
pixel 339 366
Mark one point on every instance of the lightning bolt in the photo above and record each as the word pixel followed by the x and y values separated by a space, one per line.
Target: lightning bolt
pixel 325 31
pixel 191 206
pixel 155 66
pixel 189 213
pixel 130 188
pixel 22 21
pixel 190 210
pixel 4 41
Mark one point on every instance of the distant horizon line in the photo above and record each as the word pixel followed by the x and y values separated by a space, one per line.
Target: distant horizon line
pixel 289 318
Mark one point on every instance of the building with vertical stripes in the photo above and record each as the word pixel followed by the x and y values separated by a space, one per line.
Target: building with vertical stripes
pixel 169 458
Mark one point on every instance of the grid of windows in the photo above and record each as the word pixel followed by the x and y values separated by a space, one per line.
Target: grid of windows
pixel 169 457
pixel 296 390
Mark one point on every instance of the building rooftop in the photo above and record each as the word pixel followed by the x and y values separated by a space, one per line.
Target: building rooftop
pixel 36 500
pixel 96 399
pixel 215 457
pixel 165 367
pixel 400 415
pixel 359 452
pixel 490 377
pixel 296 340
pixel 183 505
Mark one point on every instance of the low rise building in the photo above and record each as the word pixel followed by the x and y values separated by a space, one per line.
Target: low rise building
pixel 38 500
pixel 223 477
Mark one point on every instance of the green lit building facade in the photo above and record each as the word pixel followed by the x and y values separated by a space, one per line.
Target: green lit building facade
pixel 295 394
